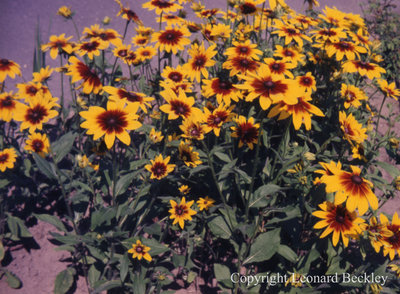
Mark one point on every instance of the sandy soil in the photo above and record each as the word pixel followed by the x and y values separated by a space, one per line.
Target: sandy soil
pixel 18 19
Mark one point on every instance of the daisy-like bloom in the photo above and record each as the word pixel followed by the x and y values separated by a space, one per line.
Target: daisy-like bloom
pixel 339 220
pixel 83 161
pixel 246 131
pixel 333 16
pixel 246 49
pixel 105 35
pixel 80 71
pixel 159 167
pixel 352 129
pixel 209 13
pixel 371 70
pixel 36 113
pixel 289 54
pixel 205 203
pixel 179 105
pixel 389 89
pixel 91 48
pixel 162 6
pixel 221 31
pixel 358 152
pixel 215 119
pixel 112 122
pixel 145 53
pixel 128 14
pixel 377 233
pixel 301 112
pixel 155 136
pixel 395 268
pixel 352 95
pixel 7 158
pixel 131 58
pixel 329 169
pixel 140 40
pixel 188 156
pixel 38 143
pixel 268 87
pixel 354 188
pixel 140 251
pixel 121 50
pixel 274 3
pixel 392 242
pixel 31 90
pixel 329 35
pixel 307 82
pixel 184 189
pixel 290 33
pixel 344 48
pixel 8 68
pixel 240 64
pixel 174 75
pixel 199 61
pixel 172 39
pixel 192 129
pixel 249 7
pixel 181 212
pixel 170 19
pixel 43 75
pixel 7 105
pixel 223 89
pixel 278 67
pixel 58 44
pixel 360 38
pixel 305 21
pixel 65 12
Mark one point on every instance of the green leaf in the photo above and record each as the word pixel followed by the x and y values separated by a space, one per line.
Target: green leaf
pixel 264 247
pixel 222 156
pixel 392 170
pixel 45 167
pixel 17 227
pixel 104 215
pixel 2 251
pixel 139 285
pixel 4 183
pixel 123 183
pixel 64 281
pixel 124 266
pixel 220 228
pixel 156 247
pixel 12 280
pixel 287 253
pixel 259 197
pixel 63 146
pixel 51 219
pixel 93 275
pixel 223 275
pixel 108 286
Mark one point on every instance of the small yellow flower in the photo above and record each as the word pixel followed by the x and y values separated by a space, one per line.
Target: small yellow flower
pixel 106 20
pixel 155 136
pixel 140 251
pixel 205 203
pixel 7 158
pixel 397 183
pixel 38 143
pixel 394 143
pixel 181 212
pixel 295 280
pixel 65 12
pixel 184 189
pixel 159 167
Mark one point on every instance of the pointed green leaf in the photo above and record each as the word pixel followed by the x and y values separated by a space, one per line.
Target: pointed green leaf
pixel 64 281
pixel 53 220
pixel 264 247
pixel 220 228
pixel 63 146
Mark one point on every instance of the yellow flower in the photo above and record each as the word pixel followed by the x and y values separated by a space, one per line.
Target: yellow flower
pixel 189 157
pixel 7 105
pixel 130 97
pixel 179 105
pixel 172 39
pixel 352 129
pixel 43 75
pixel 8 68
pixel 38 143
pixel 58 44
pixel 181 212
pixel 246 131
pixel 7 158
pixel 392 242
pixel 159 167
pixel 184 189
pixel 140 251
pixel 389 89
pixel 205 203
pixel 155 136
pixel 199 61
pixel 113 122
pixel 65 12
pixel 80 71
pixel 83 162
pixel 352 95
pixel 371 70
pixel 339 220
pixel 192 128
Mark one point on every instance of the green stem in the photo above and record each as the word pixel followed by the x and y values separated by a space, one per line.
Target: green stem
pixel 62 89
pixel 76 29
pixel 211 165
pixel 379 118
pixel 114 175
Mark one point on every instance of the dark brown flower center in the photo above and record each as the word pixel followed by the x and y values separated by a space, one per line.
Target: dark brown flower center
pixel 194 132
pixel 139 249
pixel 288 53
pixel 170 37
pixel 291 31
pixel 37 145
pixel 180 108
pixel 199 61
pixel 244 62
pixel 32 90
pixel 276 66
pixel 123 53
pixel 4 62
pixel 36 114
pixel 306 81
pixel 225 85
pixel 247 132
pixel 248 8
pixel 180 210
pixel 269 84
pixel 243 49
pixel 7 102
pixel 175 76
pixel 161 3
pixel 112 121
pixel 3 157
pixel 159 169
pixel 356 179
pixel 90 46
